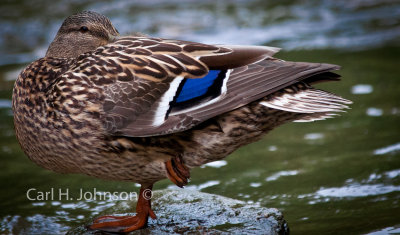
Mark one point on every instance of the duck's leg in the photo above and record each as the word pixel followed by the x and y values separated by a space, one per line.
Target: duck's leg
pixel 128 223
pixel 177 172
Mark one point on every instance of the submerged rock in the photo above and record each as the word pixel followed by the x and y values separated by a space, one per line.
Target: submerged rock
pixel 187 212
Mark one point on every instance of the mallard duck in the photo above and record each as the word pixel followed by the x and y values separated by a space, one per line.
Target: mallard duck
pixel 141 109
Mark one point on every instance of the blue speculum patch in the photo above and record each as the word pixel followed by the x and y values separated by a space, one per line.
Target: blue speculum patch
pixel 196 87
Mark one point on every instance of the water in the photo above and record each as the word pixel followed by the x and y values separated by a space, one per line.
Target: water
pixel 336 176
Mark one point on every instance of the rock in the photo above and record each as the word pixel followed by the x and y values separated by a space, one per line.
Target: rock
pixel 185 211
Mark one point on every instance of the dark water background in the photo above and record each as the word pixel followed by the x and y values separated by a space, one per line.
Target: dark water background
pixel 340 176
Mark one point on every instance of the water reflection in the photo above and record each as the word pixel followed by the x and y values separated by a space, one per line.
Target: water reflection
pixel 361 89
pixel 374 112
pixel 280 174
pixel 389 149
pixel 314 136
pixel 388 230
pixel 365 188
pixel 330 24
pixel 216 164
pixel 255 184
pixel 357 190
pixel 199 187
pixel 5 103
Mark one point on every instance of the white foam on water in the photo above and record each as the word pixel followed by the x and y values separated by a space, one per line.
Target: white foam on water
pixel 362 89
pixel 374 112
pixel 314 136
pixel 280 174
pixel 387 149
pixel 217 164
pixel 357 190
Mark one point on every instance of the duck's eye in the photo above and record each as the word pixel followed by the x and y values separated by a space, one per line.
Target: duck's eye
pixel 84 29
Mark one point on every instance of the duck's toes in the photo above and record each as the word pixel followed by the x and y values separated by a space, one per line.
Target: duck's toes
pixel 125 224
pixel 119 223
pixel 177 171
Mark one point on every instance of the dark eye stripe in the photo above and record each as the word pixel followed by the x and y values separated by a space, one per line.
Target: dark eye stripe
pixel 84 29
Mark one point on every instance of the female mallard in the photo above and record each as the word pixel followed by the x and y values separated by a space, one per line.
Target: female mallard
pixel 141 109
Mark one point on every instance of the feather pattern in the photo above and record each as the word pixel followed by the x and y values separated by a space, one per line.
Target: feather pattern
pixel 141 77
pixel 302 98
pixel 245 84
pixel 155 86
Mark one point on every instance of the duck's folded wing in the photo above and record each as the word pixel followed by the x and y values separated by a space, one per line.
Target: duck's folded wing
pixel 238 87
pixel 142 77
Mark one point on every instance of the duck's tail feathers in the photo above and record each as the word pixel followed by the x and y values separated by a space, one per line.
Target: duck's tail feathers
pixel 302 98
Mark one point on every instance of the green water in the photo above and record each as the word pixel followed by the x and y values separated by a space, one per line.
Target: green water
pixel 339 176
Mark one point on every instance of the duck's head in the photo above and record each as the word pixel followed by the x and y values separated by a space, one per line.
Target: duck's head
pixel 80 33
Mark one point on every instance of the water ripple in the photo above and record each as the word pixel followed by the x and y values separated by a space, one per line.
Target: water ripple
pixel 281 173
pixel 388 149
pixel 357 190
pixel 216 164
pixel 293 25
pixel 5 104
pixel 374 112
pixel 362 89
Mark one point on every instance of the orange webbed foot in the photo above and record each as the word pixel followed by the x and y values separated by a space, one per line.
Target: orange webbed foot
pixel 126 224
pixel 177 171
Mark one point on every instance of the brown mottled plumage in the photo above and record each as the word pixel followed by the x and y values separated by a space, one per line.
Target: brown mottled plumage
pixel 120 108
